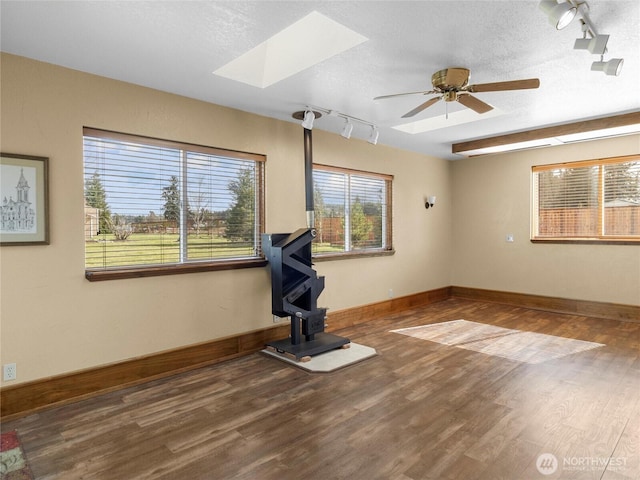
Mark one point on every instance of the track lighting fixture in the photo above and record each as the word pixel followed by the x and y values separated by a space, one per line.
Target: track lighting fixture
pixel 347 129
pixel 309 117
pixel 612 67
pixel 373 138
pixel 597 45
pixel 311 112
pixel 560 14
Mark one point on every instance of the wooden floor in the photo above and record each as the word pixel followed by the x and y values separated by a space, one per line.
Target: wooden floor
pixel 418 410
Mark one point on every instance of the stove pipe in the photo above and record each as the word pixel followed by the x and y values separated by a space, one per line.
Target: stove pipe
pixel 308 178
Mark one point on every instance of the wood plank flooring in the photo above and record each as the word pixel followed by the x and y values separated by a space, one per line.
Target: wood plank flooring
pixel 418 410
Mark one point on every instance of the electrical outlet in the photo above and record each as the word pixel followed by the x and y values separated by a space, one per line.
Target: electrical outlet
pixel 9 372
pixel 276 319
pixel 509 237
pixel 391 293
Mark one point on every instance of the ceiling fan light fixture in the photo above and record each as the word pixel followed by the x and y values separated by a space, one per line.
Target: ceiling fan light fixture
pixel 612 67
pixel 560 14
pixel 373 138
pixel 451 84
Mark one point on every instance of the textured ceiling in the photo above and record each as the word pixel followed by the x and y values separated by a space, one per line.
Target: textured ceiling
pixel 175 46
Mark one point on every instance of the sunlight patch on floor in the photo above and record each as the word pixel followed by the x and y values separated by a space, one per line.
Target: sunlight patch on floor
pixel 517 345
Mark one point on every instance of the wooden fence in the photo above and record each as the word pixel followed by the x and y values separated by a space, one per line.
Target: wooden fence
pixel 577 222
pixel 331 230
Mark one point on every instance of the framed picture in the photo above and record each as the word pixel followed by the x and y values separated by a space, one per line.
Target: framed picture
pixel 24 190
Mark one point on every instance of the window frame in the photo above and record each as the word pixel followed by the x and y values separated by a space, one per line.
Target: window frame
pixel 388 248
pixel 193 266
pixel 600 238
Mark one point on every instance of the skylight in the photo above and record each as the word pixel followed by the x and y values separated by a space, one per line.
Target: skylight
pixel 303 44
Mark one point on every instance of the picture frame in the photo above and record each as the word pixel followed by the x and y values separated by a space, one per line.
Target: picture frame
pixel 24 200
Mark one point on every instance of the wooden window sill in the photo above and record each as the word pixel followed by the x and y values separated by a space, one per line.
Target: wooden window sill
pixel 137 272
pixel 349 255
pixel 588 241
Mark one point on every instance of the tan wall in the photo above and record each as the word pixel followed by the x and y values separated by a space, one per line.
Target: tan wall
pixel 54 321
pixel 492 199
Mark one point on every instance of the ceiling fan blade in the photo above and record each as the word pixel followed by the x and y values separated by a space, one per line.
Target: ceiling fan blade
pixel 457 77
pixel 474 103
pixel 382 97
pixel 508 85
pixel 421 107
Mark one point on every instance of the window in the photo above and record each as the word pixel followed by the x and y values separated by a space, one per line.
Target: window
pixel 352 212
pixel 596 201
pixel 155 207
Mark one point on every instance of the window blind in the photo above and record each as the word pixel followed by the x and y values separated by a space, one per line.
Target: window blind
pixel 597 199
pixel 152 202
pixel 352 211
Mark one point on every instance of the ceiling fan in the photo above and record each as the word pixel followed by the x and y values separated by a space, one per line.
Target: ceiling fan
pixel 451 84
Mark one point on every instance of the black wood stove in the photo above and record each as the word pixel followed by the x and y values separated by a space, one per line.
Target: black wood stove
pixel 295 285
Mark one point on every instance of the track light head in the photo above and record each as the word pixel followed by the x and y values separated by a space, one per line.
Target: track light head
pixel 347 129
pixel 612 67
pixel 373 138
pixel 582 44
pixel 560 14
pixel 309 117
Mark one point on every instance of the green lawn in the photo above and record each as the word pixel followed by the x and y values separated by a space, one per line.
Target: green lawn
pixel 158 249
pixel 326 248
pixel 155 249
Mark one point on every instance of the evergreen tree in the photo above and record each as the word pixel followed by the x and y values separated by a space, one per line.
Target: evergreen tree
pixel 241 218
pixel 96 197
pixel 373 212
pixel 171 195
pixel 320 211
pixel 622 182
pixel 559 188
pixel 360 225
